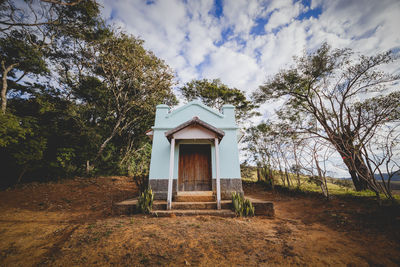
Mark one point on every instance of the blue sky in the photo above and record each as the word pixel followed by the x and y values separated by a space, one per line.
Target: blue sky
pixel 243 42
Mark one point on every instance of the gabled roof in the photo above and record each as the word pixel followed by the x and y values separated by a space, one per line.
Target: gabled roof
pixel 195 103
pixel 195 121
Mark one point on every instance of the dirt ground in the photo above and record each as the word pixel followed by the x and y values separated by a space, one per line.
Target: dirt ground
pixel 72 223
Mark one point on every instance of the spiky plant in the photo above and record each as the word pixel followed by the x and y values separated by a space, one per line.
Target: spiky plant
pixel 145 201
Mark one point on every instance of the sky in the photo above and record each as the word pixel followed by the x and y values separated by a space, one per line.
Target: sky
pixel 243 42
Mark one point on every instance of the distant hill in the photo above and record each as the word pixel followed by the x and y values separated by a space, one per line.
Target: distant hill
pixel 385 176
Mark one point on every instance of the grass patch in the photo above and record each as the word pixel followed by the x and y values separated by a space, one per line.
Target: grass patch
pixel 309 188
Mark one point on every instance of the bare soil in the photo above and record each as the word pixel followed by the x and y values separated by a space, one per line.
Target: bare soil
pixel 72 223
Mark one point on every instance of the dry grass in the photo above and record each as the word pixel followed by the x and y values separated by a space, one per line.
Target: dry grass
pixel 334 189
pixel 72 223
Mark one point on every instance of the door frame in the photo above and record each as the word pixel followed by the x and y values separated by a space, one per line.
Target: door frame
pixel 195 142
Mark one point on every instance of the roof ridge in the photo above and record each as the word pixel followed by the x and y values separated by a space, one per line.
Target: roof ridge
pixel 195 120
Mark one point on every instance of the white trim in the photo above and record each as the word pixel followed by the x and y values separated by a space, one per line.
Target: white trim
pixel 221 128
pixel 171 173
pixel 195 141
pixel 194 132
pixel 197 103
pixel 218 183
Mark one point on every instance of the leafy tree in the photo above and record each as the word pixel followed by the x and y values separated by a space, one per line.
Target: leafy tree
pixel 260 145
pixel 18 55
pixel 40 134
pixel 138 165
pixel 341 98
pixel 76 92
pixel 127 84
pixel 215 94
pixel 32 31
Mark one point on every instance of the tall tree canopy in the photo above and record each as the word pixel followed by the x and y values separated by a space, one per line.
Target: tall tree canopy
pixel 340 97
pixel 127 82
pixel 33 31
pixel 215 94
pixel 77 96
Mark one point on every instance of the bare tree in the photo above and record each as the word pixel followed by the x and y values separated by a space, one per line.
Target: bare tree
pixel 383 161
pixel 340 98
pixel 314 161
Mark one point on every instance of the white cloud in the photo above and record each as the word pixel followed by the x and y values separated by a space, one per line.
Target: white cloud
pixel 185 34
pixel 234 69
pixel 284 15
pixel 241 15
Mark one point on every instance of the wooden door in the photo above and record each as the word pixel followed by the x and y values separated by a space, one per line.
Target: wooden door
pixel 194 168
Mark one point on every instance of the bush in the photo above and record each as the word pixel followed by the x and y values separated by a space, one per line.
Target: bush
pixel 145 201
pixel 241 206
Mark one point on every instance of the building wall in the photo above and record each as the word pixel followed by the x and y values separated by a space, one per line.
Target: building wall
pixel 166 120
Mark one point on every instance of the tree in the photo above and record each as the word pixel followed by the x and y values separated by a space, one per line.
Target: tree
pixel 41 136
pixel 215 94
pixel 260 145
pixel 32 31
pixel 314 162
pixel 138 164
pixel 19 54
pixel 382 156
pixel 127 83
pixel 338 97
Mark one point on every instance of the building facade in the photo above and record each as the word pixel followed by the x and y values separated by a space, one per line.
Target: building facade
pixel 195 148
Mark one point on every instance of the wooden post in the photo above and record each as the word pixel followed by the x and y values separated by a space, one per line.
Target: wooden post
pixel 218 183
pixel 171 173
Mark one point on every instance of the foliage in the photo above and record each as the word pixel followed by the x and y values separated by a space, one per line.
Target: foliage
pixel 85 113
pixel 33 31
pixel 335 96
pixel 145 201
pixel 138 165
pixel 215 94
pixel 10 130
pixel 241 206
pixel 246 171
pixel 127 83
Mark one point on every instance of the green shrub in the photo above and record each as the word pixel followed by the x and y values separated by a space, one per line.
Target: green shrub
pixel 241 206
pixel 145 201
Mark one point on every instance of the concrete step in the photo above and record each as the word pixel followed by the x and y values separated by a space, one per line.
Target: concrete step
pixel 194 196
pixel 225 204
pixel 169 213
pixel 261 207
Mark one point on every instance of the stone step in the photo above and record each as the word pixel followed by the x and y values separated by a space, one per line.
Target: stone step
pixel 199 205
pixel 194 196
pixel 169 213
pixel 261 207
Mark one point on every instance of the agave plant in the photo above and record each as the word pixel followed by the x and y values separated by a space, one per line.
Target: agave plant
pixel 241 206
pixel 248 208
pixel 145 201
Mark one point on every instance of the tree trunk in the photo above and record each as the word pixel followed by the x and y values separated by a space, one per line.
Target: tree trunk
pixel 321 177
pixel 298 179
pixel 281 174
pixel 287 177
pixel 258 175
pixel 358 182
pixel 355 166
pixel 104 144
pixel 88 167
pixel 5 85
pixel 282 177
pixel 24 169
pixel 271 177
